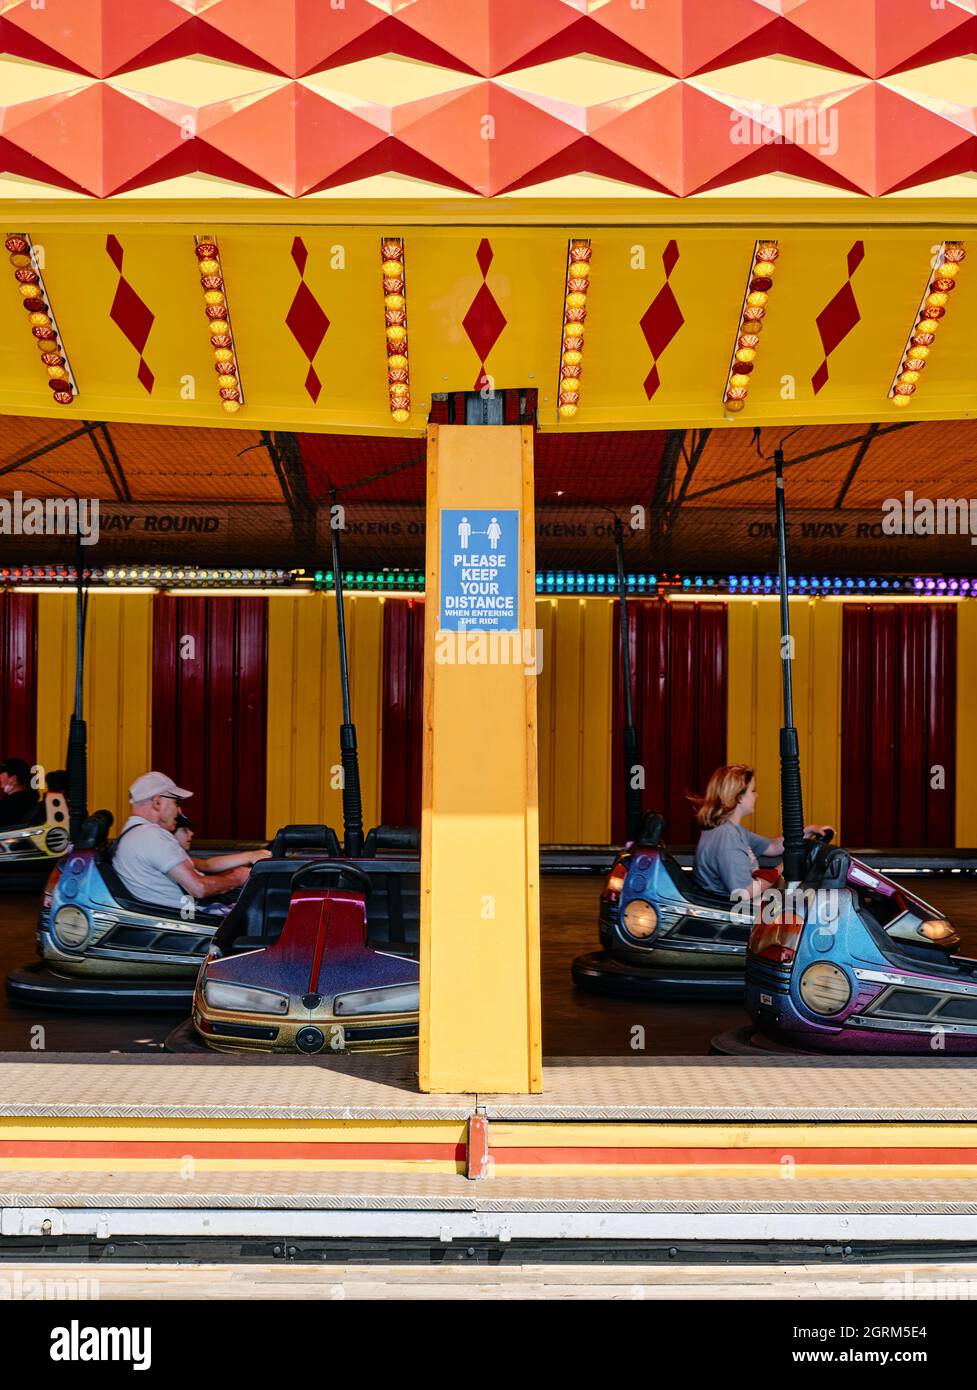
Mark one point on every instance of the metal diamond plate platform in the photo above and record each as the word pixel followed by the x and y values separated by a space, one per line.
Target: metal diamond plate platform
pixel 385 1088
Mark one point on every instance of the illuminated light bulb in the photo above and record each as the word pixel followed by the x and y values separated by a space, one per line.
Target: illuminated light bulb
pixel 579 270
pixel 909 376
pixel 920 352
pixel 764 268
pixel 396 362
pixel 231 406
pixel 567 411
pixel 398 389
pixel 392 269
pixel 396 333
pixel 901 400
pixel 400 415
pixel 576 300
pixel 745 354
pixel 219 326
pixel 735 405
pixel 937 300
pixel 28 291
pixel 572 358
pixel 214 297
pixel 757 299
pixel 57 373
pixel 227 381
pixel 209 266
pixel 40 320
pixel 927 325
pixel 394 301
pixel 573 330
pixel 949 270
pixel 739 379
pixel 223 355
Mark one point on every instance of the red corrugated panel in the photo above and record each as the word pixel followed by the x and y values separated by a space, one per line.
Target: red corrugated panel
pixel 898 738
pixel 18 688
pixel 678 679
pixel 210 707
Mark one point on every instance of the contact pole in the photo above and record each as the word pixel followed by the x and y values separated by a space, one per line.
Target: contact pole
pixel 348 752
pixel 791 799
pixel 76 759
pixel 633 801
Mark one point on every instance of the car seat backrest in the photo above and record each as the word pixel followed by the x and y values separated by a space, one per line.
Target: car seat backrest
pixel 404 839
pixel 308 837
pixel 94 830
pixel 651 834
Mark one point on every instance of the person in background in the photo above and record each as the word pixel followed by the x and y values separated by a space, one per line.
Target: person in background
pixel 726 855
pixel 17 797
pixel 216 863
pixel 56 782
pixel 154 867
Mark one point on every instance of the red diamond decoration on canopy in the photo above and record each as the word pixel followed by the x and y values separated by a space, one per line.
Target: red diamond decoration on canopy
pixel 131 314
pixel 485 320
pixel 662 319
pixel 838 317
pixel 306 319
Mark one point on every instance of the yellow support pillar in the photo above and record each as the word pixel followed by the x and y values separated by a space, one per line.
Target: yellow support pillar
pixel 480 993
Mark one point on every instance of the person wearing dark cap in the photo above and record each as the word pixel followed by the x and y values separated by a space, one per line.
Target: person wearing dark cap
pixel 17 797
pixel 184 832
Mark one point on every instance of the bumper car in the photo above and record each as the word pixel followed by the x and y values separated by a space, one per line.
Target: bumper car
pixel 663 936
pixel 856 964
pixel 290 971
pixel 102 949
pixel 28 852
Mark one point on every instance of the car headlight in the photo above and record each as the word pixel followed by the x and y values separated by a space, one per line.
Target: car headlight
pixel 241 999
pixel 824 988
pixel 640 918
pixel 393 999
pixel 71 927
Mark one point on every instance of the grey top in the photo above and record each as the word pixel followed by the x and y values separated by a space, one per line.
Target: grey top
pixel 726 857
pixel 143 860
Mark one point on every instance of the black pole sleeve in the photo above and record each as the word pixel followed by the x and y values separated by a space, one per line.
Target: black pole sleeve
pixel 633 799
pixel 791 804
pixel 352 797
pixel 76 765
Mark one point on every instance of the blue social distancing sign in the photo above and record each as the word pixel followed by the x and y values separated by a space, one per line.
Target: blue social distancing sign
pixel 479 570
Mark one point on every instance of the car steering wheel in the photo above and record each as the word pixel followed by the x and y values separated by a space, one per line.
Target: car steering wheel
pixel 818 852
pixel 343 875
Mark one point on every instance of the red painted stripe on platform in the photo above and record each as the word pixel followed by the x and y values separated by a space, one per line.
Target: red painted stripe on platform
pixel 676 1157
pixel 137 1148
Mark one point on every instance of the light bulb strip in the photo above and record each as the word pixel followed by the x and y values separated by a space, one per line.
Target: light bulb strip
pixel 43 324
pixel 932 309
pixel 218 313
pixel 393 265
pixel 579 252
pixel 752 313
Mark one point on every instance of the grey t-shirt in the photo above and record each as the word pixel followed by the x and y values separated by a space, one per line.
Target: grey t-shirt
pixel 726 857
pixel 143 859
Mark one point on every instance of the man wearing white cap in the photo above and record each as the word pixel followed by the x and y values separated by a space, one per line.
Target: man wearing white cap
pixel 152 863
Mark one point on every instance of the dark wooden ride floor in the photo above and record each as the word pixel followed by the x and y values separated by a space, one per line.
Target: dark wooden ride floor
pixel 574 1024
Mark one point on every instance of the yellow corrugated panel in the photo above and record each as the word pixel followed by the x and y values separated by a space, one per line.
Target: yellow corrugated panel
pixel 305 707
pixel 966 817
pixel 755 704
pixel 118 690
pixel 575 715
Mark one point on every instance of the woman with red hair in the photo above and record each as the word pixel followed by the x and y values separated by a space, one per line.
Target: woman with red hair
pixel 726 855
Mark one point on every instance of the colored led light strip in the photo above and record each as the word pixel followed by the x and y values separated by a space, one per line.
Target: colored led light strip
pixel 752 314
pixel 395 327
pixel 579 253
pixel 932 308
pixel 44 326
pixel 219 325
